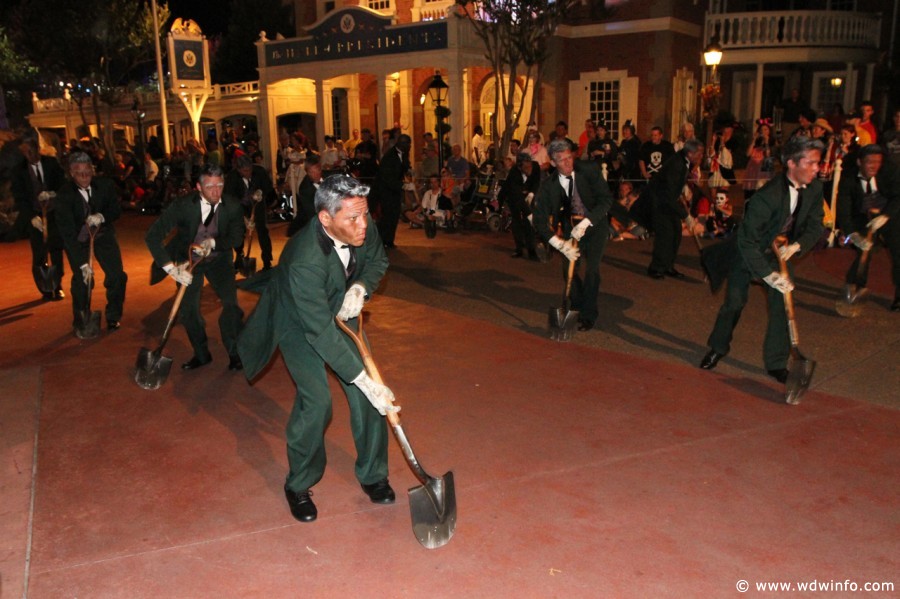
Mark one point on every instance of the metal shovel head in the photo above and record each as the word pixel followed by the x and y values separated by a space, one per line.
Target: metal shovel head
pixel 48 278
pixel 847 309
pixel 248 266
pixel 152 369
pixel 432 507
pixel 89 327
pixel 562 323
pixel 800 375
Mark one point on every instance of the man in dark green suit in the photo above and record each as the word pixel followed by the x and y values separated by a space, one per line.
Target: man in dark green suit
pixel 572 204
pixel 789 205
pixel 871 199
pixel 90 203
pixel 206 224
pixel 242 183
pixel 325 271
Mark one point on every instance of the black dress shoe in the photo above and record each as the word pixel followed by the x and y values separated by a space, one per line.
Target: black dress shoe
pixel 234 363
pixel 112 325
pixel 674 274
pixel 380 492
pixel 895 307
pixel 655 274
pixel 533 256
pixel 517 254
pixel 710 360
pixel 585 325
pixel 779 374
pixel 57 295
pixel 301 504
pixel 193 363
pixel 47 297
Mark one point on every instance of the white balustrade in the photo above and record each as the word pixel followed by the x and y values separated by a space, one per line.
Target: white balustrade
pixel 794 28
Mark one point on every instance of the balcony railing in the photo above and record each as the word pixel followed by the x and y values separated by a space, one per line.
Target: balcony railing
pixel 750 30
pixel 220 91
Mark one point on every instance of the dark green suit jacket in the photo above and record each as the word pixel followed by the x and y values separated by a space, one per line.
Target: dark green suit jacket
pixel 305 293
pixel 70 215
pixel 764 217
pixel 183 217
pixel 592 189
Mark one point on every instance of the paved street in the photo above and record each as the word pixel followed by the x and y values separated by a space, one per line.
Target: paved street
pixel 606 467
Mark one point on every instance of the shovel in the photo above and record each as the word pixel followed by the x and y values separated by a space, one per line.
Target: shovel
pixel 800 368
pixel 152 368
pixel 432 505
pixel 48 278
pixel 247 266
pixel 89 327
pixel 563 321
pixel 850 303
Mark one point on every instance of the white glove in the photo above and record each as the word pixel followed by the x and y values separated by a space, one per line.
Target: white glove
pixel 38 223
pixel 257 195
pixel 249 224
pixel 639 232
pixel 94 220
pixel 529 199
pixel 353 302
pixel 180 273
pixel 861 242
pixel 568 248
pixel 46 196
pixel 579 230
pixel 778 282
pixel 205 248
pixel 378 395
pixel 878 222
pixel 86 273
pixel 786 251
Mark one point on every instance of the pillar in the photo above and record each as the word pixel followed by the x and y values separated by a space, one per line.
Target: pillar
pixel 407 122
pixel 353 103
pixel 320 114
pixel 456 104
pixel 758 92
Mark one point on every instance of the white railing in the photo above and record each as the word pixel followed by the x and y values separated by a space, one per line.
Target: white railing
pixel 431 10
pixel 245 88
pixel 225 90
pixel 747 30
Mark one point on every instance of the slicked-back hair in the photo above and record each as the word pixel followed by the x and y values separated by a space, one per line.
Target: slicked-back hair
pixel 80 158
pixel 558 146
pixel 869 150
pixel 210 170
pixel 337 188
pixel 692 145
pixel 797 147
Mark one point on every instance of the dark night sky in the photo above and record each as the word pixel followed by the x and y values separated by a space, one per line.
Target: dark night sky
pixel 211 16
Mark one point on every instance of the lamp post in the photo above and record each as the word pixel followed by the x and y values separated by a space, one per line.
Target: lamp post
pixel 138 112
pixel 712 56
pixel 438 90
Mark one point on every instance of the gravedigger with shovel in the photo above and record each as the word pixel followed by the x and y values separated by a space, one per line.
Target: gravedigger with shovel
pixel 789 209
pixel 570 213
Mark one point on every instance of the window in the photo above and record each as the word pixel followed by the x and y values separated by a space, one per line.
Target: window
pixel 382 5
pixel 603 104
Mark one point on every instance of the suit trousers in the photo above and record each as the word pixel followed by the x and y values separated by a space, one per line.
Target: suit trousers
pixel 39 251
pixel 261 233
pixel 666 240
pixel 109 257
pixel 523 232
pixel 220 273
pixel 312 412
pixel 586 292
pixel 776 346
pixel 390 216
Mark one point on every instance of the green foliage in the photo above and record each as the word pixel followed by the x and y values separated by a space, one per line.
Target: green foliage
pixel 14 68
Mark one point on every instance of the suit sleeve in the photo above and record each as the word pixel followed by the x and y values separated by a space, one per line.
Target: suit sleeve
pixel 233 235
pixel 600 193
pixel 69 201
pixel 160 229
pixel 110 207
pixel 755 230
pixel 811 230
pixel 546 205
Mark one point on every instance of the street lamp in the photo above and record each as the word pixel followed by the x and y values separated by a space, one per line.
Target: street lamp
pixel 712 56
pixel 709 93
pixel 438 90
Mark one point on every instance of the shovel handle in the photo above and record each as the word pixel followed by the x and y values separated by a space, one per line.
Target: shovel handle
pixel 788 298
pixel 569 277
pixel 368 360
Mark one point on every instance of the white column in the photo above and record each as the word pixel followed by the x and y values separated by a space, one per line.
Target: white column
pixel 456 104
pixel 353 103
pixel 385 107
pixel 407 123
pixel 268 129
pixel 320 114
pixel 849 88
pixel 328 114
pixel 758 92
pixel 467 111
pixel 870 76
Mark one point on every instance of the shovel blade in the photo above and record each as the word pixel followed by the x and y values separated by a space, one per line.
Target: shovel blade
pixel 555 319
pixel 89 326
pixel 248 266
pixel 48 278
pixel 799 377
pixel 432 507
pixel 152 369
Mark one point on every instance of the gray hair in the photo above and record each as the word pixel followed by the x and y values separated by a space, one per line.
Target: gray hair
pixel 797 147
pixel 522 158
pixel 337 188
pixel 558 146
pixel 80 158
pixel 692 145
pixel 210 170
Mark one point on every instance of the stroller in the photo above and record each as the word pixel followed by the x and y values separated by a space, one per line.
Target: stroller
pixel 478 204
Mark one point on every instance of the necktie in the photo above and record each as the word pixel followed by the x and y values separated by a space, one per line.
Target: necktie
pixel 87 201
pixel 569 189
pixel 37 174
pixel 351 264
pixel 212 213
pixel 868 186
